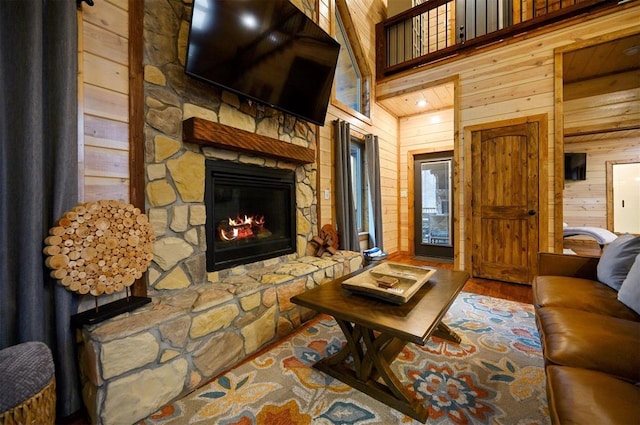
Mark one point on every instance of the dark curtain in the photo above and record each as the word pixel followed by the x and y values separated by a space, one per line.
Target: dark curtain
pixel 38 176
pixel 372 162
pixel 345 207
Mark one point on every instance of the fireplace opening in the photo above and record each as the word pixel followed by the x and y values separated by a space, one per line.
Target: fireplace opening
pixel 250 213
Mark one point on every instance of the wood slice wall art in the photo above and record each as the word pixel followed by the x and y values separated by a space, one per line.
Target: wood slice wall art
pixel 99 247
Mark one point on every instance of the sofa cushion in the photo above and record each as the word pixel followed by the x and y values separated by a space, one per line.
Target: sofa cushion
pixel 629 293
pixel 617 259
pixel 591 341
pixel 581 294
pixel 579 396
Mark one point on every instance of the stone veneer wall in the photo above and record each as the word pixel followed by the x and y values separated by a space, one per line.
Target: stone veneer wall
pixel 134 364
pixel 175 170
pixel 199 323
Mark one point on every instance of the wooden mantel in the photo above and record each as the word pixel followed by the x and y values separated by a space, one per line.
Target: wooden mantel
pixel 209 133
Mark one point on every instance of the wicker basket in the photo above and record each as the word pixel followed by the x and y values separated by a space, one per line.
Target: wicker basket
pixel 37 410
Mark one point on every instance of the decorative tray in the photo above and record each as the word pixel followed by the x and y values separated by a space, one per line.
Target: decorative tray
pixel 393 282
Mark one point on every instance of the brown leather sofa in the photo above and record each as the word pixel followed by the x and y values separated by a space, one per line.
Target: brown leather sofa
pixel 590 342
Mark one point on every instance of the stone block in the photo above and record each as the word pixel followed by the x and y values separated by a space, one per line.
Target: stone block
pixel 167 252
pixel 190 110
pixel 211 297
pixel 250 302
pixel 158 218
pixel 165 147
pixel 180 218
pixel 177 279
pixel 284 327
pixel 285 292
pixel 131 324
pixel 129 399
pixel 234 118
pixel 126 354
pixel 167 121
pixel 197 215
pixel 160 193
pixel 176 331
pixel 153 75
pixel 213 320
pixel 168 355
pixel 259 332
pixel 156 171
pixel 269 297
pixel 220 352
pixel 187 172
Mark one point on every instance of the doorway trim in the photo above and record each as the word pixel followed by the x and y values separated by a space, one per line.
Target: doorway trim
pixel 543 180
pixel 558 149
pixel 458 183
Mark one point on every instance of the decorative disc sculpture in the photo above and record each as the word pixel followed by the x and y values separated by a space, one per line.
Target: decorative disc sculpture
pixel 100 247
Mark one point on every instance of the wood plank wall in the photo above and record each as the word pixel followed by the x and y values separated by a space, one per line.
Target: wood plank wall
pixel 104 91
pixel 601 104
pixel 585 201
pixel 365 14
pixel 513 80
pixel 430 132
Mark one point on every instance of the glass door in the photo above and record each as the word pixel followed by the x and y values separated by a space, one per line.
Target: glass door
pixel 433 205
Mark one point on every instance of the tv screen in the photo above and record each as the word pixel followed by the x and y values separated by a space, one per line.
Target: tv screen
pixel 575 166
pixel 266 50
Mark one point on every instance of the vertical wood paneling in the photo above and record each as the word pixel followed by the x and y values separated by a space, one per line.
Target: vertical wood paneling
pixel 509 81
pixel 430 132
pixel 365 14
pixel 105 100
pixel 585 201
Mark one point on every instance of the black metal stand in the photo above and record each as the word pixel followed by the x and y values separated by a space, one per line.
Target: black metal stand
pixel 109 310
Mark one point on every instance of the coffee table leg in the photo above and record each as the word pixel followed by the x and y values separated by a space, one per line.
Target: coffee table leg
pixel 445 332
pixel 352 334
pixel 370 364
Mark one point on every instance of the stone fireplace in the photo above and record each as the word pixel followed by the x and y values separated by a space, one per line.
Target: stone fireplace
pixel 250 213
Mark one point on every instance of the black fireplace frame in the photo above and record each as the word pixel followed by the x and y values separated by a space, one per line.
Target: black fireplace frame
pixel 225 172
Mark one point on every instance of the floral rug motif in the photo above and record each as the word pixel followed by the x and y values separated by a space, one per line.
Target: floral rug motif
pixel 494 376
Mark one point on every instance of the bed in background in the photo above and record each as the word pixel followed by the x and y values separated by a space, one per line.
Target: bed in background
pixel 602 236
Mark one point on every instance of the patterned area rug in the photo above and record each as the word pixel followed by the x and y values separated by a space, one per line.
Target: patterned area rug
pixel 495 376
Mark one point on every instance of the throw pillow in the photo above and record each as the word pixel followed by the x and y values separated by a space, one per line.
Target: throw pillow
pixel 629 293
pixel 617 259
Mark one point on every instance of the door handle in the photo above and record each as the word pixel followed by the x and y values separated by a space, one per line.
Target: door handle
pixel 531 212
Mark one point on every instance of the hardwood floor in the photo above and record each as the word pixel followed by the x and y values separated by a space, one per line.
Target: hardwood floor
pixel 504 290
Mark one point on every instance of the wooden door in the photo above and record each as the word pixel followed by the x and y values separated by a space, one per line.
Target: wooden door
pixel 505 202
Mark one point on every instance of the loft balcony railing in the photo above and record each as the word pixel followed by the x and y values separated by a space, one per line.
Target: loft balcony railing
pixel 437 29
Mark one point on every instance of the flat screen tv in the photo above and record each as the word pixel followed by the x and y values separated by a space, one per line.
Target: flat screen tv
pixel 265 50
pixel 575 166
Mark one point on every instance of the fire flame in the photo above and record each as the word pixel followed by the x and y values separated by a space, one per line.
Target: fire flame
pixel 241 228
pixel 246 221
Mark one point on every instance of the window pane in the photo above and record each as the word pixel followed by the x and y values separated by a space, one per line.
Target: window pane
pixel 436 202
pixel 357 181
pixel 348 79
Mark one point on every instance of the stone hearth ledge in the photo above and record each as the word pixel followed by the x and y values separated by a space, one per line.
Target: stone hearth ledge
pixel 133 364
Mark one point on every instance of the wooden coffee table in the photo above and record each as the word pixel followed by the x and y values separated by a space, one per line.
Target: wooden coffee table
pixel 376 331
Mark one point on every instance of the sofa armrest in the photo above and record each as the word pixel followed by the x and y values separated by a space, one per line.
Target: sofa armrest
pixel 550 264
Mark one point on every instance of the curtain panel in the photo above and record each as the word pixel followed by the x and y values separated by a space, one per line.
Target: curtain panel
pixel 346 222
pixel 38 176
pixel 372 164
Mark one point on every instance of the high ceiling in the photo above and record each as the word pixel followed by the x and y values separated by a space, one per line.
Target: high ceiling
pixel 408 104
pixel 613 57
